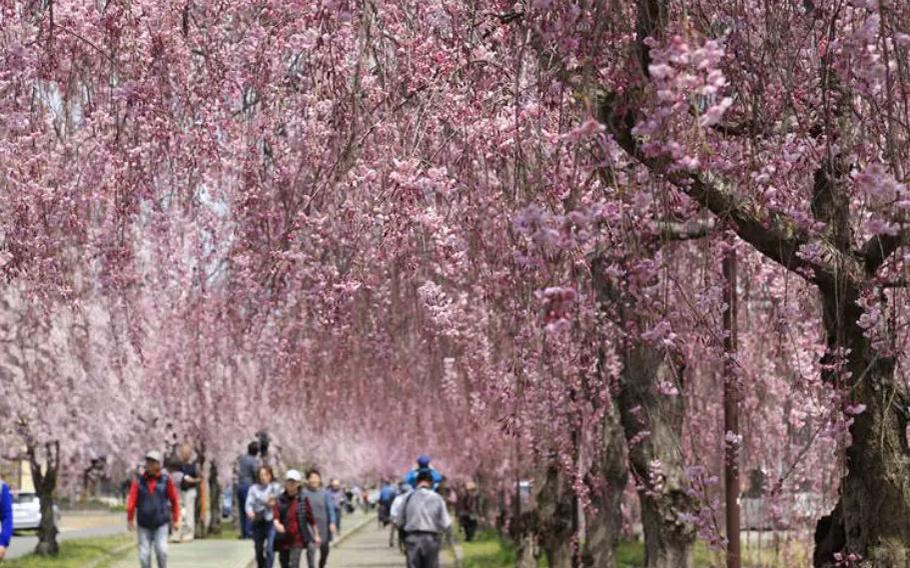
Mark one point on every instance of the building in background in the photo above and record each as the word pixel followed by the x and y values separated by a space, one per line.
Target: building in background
pixel 17 474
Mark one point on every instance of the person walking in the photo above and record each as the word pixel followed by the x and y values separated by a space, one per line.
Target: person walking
pixel 423 463
pixel 339 499
pixel 6 518
pixel 247 467
pixel 153 505
pixel 386 496
pixel 260 504
pixel 424 519
pixel 189 487
pixel 468 510
pixel 356 497
pixel 395 513
pixel 295 524
pixel 324 512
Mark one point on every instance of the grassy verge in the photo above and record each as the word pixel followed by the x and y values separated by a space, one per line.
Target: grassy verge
pixel 781 555
pixel 488 551
pixel 228 532
pixel 77 554
pixel 631 554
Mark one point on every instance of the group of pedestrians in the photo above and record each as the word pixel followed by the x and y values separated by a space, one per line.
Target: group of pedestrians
pixel 285 521
pixel 161 503
pixel 296 520
pixel 418 514
pixel 418 511
pixel 300 518
pixel 291 521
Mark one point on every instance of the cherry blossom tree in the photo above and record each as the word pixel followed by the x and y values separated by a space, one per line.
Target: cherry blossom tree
pixel 382 228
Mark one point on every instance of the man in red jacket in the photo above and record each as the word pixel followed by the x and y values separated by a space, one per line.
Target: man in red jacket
pixel 153 504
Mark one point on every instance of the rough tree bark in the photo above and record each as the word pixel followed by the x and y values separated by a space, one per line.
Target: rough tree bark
pixel 557 516
pixel 45 484
pixel 214 500
pixel 605 526
pixel 526 554
pixel 523 528
pixel 643 408
pixel 668 540
pixel 872 518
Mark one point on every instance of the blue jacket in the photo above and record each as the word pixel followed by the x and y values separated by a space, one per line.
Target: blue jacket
pixel 411 477
pixel 6 515
pixel 388 493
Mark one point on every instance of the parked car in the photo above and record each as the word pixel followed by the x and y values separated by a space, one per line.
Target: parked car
pixel 27 511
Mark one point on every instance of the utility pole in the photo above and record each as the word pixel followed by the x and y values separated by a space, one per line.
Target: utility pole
pixel 731 409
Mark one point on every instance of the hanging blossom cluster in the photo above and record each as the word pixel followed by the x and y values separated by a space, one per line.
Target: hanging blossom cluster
pixel 888 200
pixel 407 206
pixel 688 79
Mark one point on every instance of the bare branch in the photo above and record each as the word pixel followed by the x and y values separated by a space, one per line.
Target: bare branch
pixel 679 231
pixel 772 233
pixel 876 251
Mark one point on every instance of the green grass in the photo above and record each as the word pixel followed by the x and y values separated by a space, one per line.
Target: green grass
pixel 488 551
pixel 76 554
pixel 228 532
pixel 631 554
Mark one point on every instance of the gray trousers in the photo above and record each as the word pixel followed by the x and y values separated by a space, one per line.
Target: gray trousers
pixel 422 550
pixel 153 538
pixel 323 554
pixel 290 558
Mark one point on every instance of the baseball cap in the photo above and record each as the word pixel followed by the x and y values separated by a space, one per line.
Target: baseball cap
pixel 423 461
pixel 154 455
pixel 293 475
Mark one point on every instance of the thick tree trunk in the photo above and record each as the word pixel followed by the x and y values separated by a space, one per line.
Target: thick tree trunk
pixel 526 552
pixel 214 500
pixel 872 518
pixel 669 541
pixel 605 526
pixel 45 485
pixel 556 510
pixel 47 532
pixel 523 528
pixel 652 423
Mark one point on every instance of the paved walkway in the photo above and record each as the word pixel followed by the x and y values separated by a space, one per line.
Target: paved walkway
pixel 217 553
pixel 369 548
pixel 366 548
pixel 201 554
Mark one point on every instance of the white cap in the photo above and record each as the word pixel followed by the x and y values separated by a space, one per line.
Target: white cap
pixel 293 475
pixel 153 455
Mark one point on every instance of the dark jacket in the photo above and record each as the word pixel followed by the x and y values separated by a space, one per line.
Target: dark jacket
pixel 305 519
pixel 154 506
